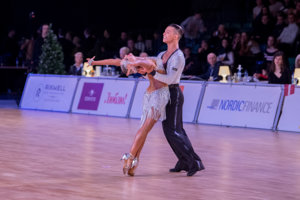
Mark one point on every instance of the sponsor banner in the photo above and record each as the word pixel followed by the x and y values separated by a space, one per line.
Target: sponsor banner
pixel 191 92
pixel 47 92
pixel 240 105
pixel 289 119
pixel 103 96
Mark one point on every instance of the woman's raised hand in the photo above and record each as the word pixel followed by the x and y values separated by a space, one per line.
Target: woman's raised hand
pixel 91 60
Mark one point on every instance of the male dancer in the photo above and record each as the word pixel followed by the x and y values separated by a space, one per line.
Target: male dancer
pixel 174 62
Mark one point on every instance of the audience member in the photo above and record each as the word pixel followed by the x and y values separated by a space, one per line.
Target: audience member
pixel 88 43
pixel 297 61
pixel 76 69
pixel 131 46
pixel 279 26
pixel 263 29
pixel 275 6
pixel 193 27
pixel 212 69
pixel 257 9
pixel 9 49
pixel 122 41
pixel 270 51
pixel 279 70
pixel 140 45
pixel 287 37
pixel 203 51
pixel 192 67
pixel 225 54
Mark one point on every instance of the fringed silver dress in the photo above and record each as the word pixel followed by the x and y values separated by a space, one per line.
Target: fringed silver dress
pixel 154 103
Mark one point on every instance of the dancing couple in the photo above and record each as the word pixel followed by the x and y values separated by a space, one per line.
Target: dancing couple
pixel 163 100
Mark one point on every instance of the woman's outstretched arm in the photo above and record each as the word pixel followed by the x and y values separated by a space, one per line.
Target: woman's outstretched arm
pixel 116 62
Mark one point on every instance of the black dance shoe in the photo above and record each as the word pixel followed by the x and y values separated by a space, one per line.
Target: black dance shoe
pixel 196 168
pixel 178 168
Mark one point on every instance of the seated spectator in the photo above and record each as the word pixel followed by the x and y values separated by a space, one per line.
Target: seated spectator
pixel 257 9
pixel 275 6
pixel 122 41
pixel 296 12
pixel 270 51
pixel 264 11
pixel 192 67
pixel 297 61
pixel 76 69
pixel 203 51
pixel 122 53
pixel 88 43
pixel 236 41
pixel 131 46
pixel 218 36
pixel 288 36
pixel 9 49
pixel 247 52
pixel 143 54
pixel 261 72
pixel 212 68
pixel 279 26
pixel 107 43
pixel 156 43
pixel 263 29
pixel 225 54
pixel 287 5
pixel 140 45
pixel 279 71
pixel 77 44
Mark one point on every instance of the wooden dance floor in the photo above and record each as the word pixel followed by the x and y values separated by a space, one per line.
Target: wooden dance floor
pixel 54 156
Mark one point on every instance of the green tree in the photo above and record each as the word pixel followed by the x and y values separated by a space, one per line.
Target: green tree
pixel 52 57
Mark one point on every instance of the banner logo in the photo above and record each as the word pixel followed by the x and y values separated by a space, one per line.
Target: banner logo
pixel 240 106
pixel 90 96
pixel 115 99
pixel 38 92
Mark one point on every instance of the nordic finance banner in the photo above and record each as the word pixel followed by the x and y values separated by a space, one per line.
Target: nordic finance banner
pixel 103 96
pixel 289 119
pixel 191 91
pixel 240 105
pixel 49 92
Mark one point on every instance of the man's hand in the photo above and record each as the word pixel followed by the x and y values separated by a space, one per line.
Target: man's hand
pixel 130 57
pixel 141 70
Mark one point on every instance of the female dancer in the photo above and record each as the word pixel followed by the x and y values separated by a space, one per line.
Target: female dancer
pixel 155 100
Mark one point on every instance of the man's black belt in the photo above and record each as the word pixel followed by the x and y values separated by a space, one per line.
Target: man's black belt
pixel 174 85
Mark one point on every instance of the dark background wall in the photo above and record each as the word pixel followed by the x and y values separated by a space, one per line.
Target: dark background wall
pixel 118 15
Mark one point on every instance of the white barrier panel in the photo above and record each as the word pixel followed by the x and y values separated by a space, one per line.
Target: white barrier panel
pixel 289 119
pixel 103 96
pixel 240 105
pixel 191 92
pixel 137 105
pixel 49 92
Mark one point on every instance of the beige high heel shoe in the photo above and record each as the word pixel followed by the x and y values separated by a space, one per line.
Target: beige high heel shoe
pixel 133 167
pixel 130 164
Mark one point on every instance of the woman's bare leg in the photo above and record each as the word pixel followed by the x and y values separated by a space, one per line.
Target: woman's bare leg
pixel 137 145
pixel 141 136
